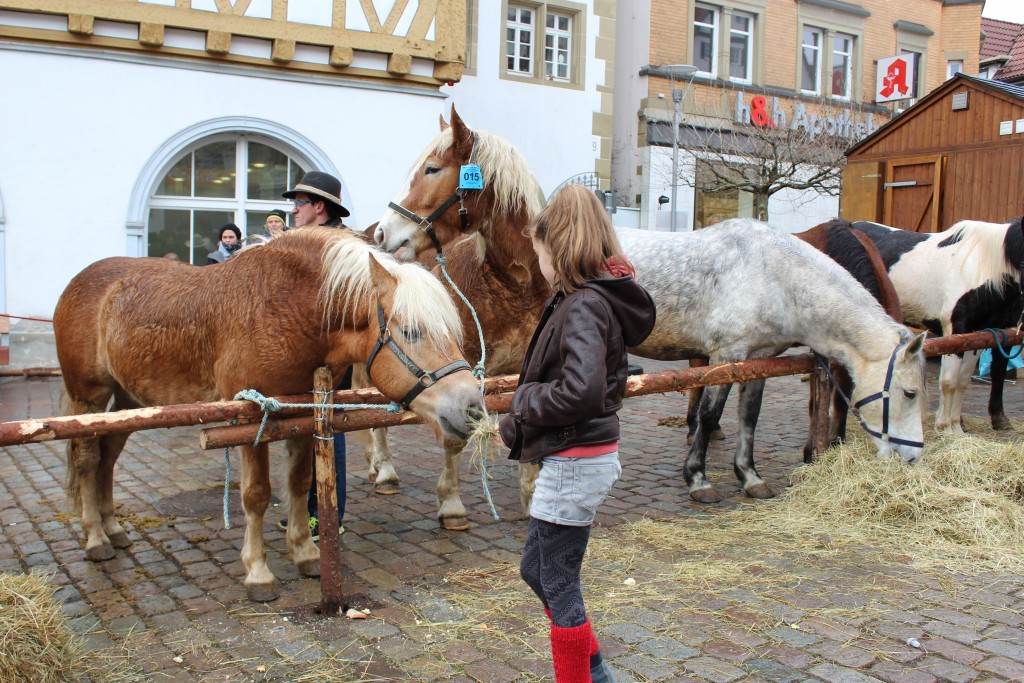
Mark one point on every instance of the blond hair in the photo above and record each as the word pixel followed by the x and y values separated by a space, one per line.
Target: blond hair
pixel 577 231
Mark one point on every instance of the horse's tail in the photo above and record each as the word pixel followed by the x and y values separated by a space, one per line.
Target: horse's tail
pixel 72 485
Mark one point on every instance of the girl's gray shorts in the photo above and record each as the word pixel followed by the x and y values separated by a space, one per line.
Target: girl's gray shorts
pixel 570 489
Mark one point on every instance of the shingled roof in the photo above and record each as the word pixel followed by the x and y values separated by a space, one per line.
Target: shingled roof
pixel 1004 38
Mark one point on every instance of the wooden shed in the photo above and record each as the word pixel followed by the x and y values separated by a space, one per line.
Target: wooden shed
pixel 957 154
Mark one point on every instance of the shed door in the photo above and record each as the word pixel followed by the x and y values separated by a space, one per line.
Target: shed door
pixel 862 192
pixel 913 191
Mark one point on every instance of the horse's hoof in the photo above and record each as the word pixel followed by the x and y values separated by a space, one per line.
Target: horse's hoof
pixel 120 540
pixel 708 495
pixel 387 488
pixel 1001 422
pixel 459 523
pixel 100 553
pixel 760 491
pixel 309 567
pixel 262 592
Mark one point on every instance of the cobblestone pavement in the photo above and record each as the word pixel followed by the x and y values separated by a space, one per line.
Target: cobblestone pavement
pixel 176 601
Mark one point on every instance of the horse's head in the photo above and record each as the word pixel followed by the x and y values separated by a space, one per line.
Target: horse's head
pixel 437 200
pixel 890 396
pixel 412 347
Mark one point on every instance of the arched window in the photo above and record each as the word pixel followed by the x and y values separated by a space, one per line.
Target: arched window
pixel 221 179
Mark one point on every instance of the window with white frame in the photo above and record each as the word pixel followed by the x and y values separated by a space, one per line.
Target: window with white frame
pixel 557 46
pixel 519 32
pixel 705 39
pixel 953 67
pixel 842 65
pixel 556 60
pixel 741 47
pixel 226 179
pixel 810 62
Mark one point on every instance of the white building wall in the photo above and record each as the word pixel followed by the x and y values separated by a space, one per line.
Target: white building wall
pixel 84 128
pixel 632 47
pixel 551 125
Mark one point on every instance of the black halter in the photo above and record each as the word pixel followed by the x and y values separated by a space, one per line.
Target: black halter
pixel 427 224
pixel 425 379
pixel 882 395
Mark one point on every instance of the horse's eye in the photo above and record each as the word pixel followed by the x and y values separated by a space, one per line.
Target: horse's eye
pixel 411 334
pixel 431 169
pixel 910 394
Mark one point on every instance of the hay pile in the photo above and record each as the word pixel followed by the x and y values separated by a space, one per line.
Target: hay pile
pixel 959 510
pixel 35 643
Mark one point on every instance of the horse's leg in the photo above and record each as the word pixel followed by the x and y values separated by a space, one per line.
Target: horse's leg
pixel 949 374
pixel 749 410
pixel 997 373
pixel 840 408
pixel 260 583
pixel 963 379
pixel 381 465
pixel 110 449
pixel 83 480
pixel 711 406
pixel 304 552
pixel 693 398
pixel 450 510
pixel 527 484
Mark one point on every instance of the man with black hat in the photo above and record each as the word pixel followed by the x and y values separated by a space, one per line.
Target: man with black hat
pixel 317 200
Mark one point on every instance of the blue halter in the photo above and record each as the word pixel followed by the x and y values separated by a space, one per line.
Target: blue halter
pixel 882 395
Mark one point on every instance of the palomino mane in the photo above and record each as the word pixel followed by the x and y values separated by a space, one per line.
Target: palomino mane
pixel 504 169
pixel 420 300
pixel 985 242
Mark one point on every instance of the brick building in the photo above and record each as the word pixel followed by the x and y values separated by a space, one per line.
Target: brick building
pixel 812 63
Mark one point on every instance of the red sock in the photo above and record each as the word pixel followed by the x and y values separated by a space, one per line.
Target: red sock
pixel 570 650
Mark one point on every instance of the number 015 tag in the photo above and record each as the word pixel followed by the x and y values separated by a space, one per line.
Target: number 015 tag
pixel 470 178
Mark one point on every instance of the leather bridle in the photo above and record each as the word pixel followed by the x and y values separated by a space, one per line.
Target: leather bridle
pixel 426 224
pixel 882 396
pixel 424 379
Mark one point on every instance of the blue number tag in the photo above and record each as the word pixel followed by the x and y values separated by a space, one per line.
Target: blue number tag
pixel 470 178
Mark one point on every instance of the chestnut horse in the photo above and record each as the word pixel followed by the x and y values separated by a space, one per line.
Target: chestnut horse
pixel 147 332
pixel 495 267
pixel 790 294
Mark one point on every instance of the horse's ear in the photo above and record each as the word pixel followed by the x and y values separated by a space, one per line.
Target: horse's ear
pixel 462 136
pixel 915 346
pixel 444 124
pixel 384 283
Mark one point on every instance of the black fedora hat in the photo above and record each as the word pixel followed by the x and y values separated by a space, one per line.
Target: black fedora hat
pixel 322 185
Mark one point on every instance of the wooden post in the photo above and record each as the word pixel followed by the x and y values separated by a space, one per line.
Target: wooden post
pixel 327 493
pixel 821 393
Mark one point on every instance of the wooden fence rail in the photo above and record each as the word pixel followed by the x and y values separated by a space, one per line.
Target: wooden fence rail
pixel 497 388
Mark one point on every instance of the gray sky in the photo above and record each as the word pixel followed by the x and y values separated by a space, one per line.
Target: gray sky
pixel 1007 10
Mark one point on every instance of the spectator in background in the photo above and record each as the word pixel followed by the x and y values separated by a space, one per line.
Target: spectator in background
pixel 229 240
pixel 317 200
pixel 276 224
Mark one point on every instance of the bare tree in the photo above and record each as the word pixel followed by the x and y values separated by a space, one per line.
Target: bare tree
pixel 766 150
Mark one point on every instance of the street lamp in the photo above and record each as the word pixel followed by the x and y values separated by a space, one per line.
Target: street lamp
pixel 674 73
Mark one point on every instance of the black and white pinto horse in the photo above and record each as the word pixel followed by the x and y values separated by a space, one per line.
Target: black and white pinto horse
pixel 965 279
pixel 742 290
